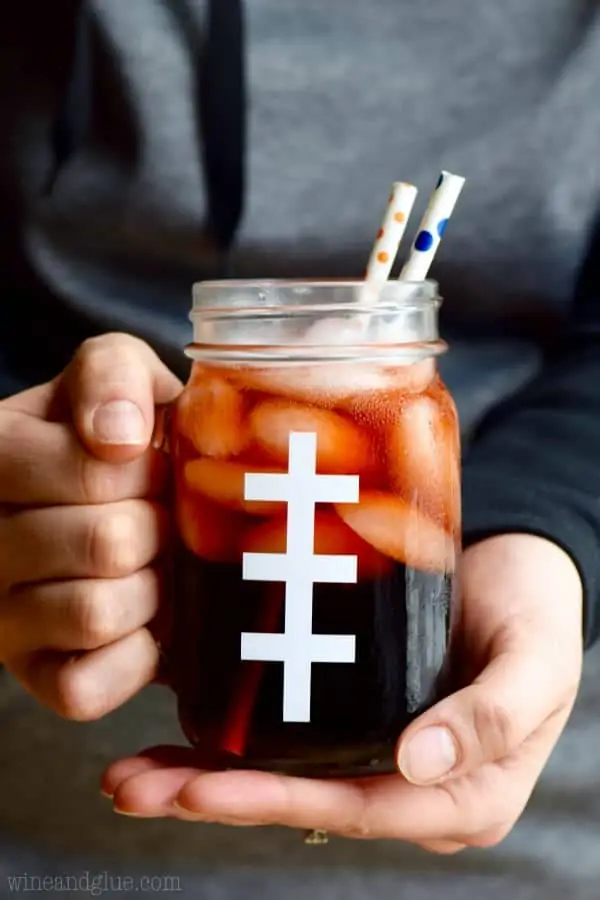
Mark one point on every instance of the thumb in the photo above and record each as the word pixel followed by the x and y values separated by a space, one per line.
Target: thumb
pixel 518 691
pixel 113 384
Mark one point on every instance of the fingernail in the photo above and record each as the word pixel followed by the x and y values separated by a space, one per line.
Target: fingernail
pixel 106 794
pixel 428 756
pixel 119 422
pixel 126 812
pixel 188 814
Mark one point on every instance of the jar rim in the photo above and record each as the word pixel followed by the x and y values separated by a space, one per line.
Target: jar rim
pixel 310 320
pixel 309 282
pixel 296 294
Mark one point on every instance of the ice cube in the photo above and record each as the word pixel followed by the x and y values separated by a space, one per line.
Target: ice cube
pixel 210 413
pixel 332 537
pixel 396 529
pixel 423 458
pixel 342 447
pixel 330 384
pixel 223 483
pixel 209 531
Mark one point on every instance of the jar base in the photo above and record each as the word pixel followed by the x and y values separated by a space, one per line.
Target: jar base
pixel 325 771
pixel 369 762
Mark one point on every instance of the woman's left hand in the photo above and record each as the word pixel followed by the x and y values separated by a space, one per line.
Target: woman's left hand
pixel 467 767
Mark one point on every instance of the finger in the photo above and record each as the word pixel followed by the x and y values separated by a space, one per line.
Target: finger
pixel 151 760
pixel 114 382
pixel 486 721
pixel 77 614
pixel 518 776
pixel 110 541
pixel 44 464
pixel 443 848
pixel 152 793
pixel 88 686
pixel 36 401
pixel 370 808
pixel 468 810
pixel 490 801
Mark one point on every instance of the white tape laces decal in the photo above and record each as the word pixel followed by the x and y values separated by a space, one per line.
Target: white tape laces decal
pixel 299 569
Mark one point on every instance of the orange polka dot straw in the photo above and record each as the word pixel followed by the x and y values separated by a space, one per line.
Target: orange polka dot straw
pixel 389 236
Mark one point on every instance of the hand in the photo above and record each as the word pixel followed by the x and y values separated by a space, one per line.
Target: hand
pixel 468 765
pixel 80 528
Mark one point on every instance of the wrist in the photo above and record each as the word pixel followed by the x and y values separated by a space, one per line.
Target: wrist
pixel 524 572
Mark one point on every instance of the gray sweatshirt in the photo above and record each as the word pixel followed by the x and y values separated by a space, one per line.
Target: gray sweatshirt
pixel 343 98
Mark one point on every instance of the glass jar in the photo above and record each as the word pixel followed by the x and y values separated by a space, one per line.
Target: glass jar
pixel 317 492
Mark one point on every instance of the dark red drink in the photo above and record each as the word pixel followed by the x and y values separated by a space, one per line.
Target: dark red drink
pixel 313 599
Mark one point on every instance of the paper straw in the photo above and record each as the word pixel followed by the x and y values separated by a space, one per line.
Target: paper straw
pixel 389 236
pixel 431 230
pixel 247 686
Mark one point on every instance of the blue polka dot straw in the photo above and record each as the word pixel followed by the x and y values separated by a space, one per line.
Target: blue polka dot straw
pixel 432 227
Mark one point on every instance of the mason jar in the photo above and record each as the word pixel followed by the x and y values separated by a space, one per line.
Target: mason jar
pixel 317 496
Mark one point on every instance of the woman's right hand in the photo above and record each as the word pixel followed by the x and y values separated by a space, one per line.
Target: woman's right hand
pixel 82 527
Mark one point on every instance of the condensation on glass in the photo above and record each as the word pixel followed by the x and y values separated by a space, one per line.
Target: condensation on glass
pixel 316 458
